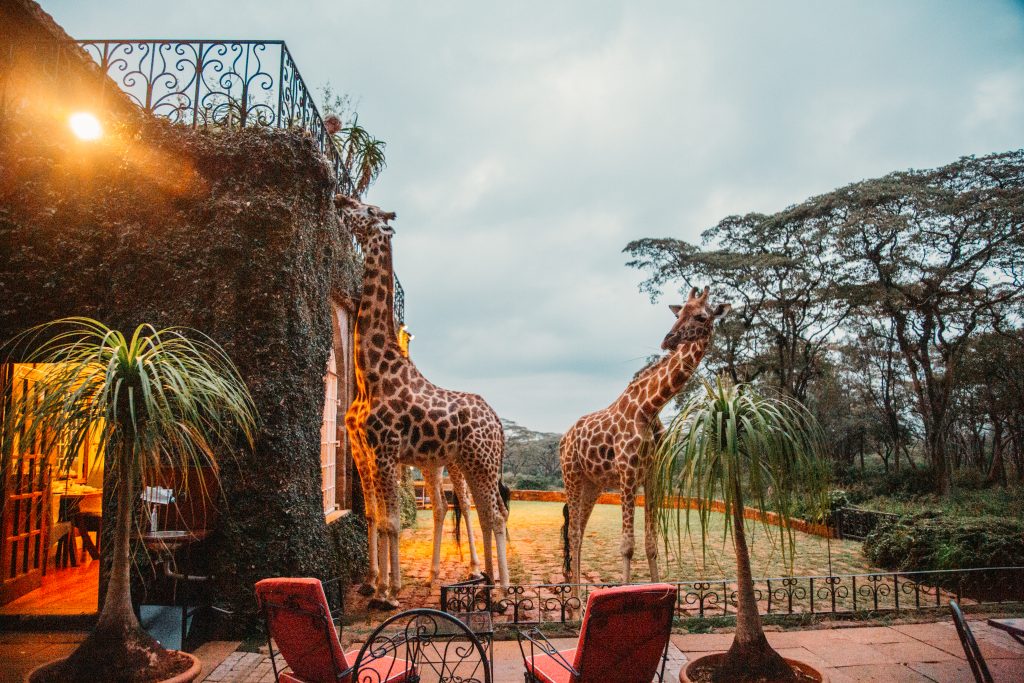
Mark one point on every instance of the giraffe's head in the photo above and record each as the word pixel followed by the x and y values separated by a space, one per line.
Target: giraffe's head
pixel 694 320
pixel 366 221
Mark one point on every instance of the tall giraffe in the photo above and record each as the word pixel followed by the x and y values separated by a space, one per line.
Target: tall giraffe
pixel 412 421
pixel 365 463
pixel 614 446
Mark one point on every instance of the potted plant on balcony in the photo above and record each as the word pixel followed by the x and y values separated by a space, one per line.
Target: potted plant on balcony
pixel 731 443
pixel 156 397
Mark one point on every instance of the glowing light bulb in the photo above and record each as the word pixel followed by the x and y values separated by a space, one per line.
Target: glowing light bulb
pixel 85 125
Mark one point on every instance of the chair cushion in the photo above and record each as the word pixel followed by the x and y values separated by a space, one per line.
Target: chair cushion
pixel 624 633
pixel 386 670
pixel 550 670
pixel 300 624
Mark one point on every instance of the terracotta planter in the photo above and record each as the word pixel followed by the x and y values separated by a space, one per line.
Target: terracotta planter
pixel 191 674
pixel 800 666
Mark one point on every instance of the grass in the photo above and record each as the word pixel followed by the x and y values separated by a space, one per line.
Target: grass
pixel 535 549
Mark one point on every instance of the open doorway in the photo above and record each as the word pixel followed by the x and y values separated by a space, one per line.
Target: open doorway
pixel 50 520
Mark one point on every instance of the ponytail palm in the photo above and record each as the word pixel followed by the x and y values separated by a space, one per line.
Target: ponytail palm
pixel 152 399
pixel 733 444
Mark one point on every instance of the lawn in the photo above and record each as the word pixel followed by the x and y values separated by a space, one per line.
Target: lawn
pixel 535 549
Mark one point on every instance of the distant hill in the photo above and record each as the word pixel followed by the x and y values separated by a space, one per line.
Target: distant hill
pixel 531 458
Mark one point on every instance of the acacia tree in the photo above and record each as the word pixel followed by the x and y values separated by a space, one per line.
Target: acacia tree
pixel 941 253
pixel 989 401
pixel 875 372
pixel 782 271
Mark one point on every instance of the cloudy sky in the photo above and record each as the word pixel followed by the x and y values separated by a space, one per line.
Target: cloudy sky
pixel 528 142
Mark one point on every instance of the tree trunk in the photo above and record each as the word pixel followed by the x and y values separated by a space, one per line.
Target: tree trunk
pixel 997 471
pixel 117 604
pixel 750 657
pixel 118 648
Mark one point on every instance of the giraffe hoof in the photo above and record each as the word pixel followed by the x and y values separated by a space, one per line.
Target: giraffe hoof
pixel 366 590
pixel 383 604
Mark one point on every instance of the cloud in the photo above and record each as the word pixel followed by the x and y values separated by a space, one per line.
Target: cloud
pixel 529 142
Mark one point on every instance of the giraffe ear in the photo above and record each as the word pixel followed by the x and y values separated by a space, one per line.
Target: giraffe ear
pixel 675 309
pixel 343 201
pixel 720 310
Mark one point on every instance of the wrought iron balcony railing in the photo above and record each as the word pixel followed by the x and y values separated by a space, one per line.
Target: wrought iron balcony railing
pixel 233 83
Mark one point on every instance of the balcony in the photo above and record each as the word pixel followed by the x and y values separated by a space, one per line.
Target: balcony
pixel 222 83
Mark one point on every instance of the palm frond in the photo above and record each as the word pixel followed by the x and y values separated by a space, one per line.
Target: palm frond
pixel 168 397
pixel 733 444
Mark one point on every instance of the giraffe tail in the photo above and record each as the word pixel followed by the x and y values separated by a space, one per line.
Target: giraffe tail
pixel 566 564
pixel 457 511
pixel 506 495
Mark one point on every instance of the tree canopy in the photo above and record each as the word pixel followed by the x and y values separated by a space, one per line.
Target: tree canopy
pixel 883 286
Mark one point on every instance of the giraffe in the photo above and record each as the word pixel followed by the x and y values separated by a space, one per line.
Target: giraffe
pixel 410 420
pixel 614 446
pixel 365 463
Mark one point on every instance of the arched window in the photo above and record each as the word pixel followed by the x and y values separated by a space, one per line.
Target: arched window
pixel 329 437
pixel 339 386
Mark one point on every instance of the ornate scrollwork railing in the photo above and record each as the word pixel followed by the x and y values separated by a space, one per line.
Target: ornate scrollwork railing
pixel 522 604
pixel 225 83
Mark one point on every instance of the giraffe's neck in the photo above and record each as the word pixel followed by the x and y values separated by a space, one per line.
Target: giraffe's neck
pixel 375 322
pixel 656 385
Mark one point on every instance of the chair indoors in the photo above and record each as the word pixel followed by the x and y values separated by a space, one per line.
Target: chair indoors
pixel 624 637
pixel 299 624
pixel 977 663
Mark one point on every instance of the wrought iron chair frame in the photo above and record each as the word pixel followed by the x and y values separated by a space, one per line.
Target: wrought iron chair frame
pixel 974 657
pixel 380 645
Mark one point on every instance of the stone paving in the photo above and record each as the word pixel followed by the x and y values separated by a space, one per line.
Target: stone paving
pixel 912 653
pixel 916 653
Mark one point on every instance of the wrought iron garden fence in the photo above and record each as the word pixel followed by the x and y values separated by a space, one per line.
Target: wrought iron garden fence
pixel 825 595
pixel 228 83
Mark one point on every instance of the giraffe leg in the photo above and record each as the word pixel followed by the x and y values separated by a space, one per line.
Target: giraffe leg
pixel 389 524
pixel 461 491
pixel 493 524
pixel 588 498
pixel 432 477
pixel 362 458
pixel 628 539
pixel 485 531
pixel 651 535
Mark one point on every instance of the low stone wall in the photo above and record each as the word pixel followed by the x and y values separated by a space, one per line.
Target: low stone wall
pixel 614 498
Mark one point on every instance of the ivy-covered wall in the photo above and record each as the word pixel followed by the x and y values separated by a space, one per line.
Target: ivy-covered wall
pixel 230 232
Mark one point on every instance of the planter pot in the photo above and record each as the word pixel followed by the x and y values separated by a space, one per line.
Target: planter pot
pixel 187 676
pixel 805 669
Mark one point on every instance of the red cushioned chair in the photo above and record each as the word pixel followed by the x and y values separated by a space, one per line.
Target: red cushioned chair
pixel 624 638
pixel 299 622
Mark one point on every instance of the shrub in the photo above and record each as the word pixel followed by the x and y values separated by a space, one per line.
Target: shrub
pixel 931 541
pixel 969 479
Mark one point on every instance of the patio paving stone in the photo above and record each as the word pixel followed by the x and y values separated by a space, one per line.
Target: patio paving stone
pixel 839 653
pixel 914 652
pixel 879 673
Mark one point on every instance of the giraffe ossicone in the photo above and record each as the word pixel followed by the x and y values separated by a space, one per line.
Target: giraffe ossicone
pixel 614 447
pixel 407 420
